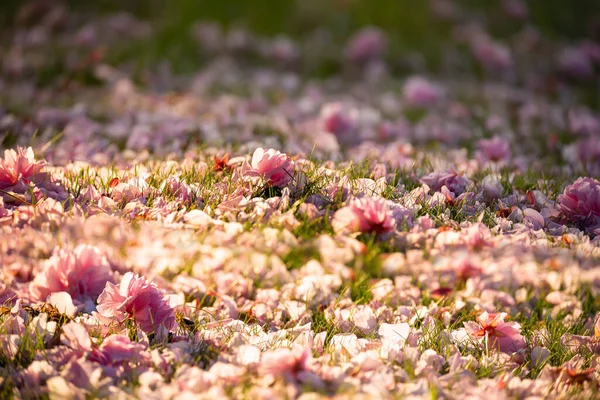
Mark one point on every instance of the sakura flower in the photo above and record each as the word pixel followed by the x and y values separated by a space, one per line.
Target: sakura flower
pixel 82 273
pixel 455 182
pixel 580 202
pixel 575 63
pixel 492 55
pixel 286 362
pixel 276 168
pixel 63 303
pixel 139 299
pixel 419 92
pixel 515 8
pixel 366 215
pixel 494 149
pixel 337 119
pixel 117 349
pixel 367 44
pixel 505 336
pixel 19 165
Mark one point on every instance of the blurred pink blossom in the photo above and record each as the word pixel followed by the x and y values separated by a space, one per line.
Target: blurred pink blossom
pixel 366 45
pixel 81 272
pixel 515 8
pixel 454 182
pixel 116 350
pixel 419 92
pixel 491 54
pixel 137 298
pixel 337 119
pixel 576 63
pixel 494 149
pixel 286 362
pixel 366 215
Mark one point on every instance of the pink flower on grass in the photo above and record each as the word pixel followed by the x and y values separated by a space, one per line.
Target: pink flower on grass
pixel 366 215
pixel 580 202
pixel 504 336
pixel 19 165
pixel 276 168
pixel 454 182
pixel 494 149
pixel 82 273
pixel 139 299
pixel 22 175
pixel 419 92
pixel 117 350
pixel 286 362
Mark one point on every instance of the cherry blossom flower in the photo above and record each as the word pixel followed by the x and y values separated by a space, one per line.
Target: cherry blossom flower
pixel 366 215
pixel 492 55
pixel 286 362
pixel 276 168
pixel 419 92
pixel 580 202
pixel 337 119
pixel 82 273
pixel 505 336
pixel 19 165
pixel 366 45
pixel 515 8
pixel 576 63
pixel 494 149
pixel 116 350
pixel 139 299
pixel 455 182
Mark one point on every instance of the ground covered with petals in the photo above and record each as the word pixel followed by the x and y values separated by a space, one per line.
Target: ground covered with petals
pixel 258 229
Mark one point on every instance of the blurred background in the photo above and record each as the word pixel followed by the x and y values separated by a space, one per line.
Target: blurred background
pixel 421 28
pixel 212 71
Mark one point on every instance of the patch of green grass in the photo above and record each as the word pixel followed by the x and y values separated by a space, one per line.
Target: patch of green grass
pixel 320 323
pixel 299 255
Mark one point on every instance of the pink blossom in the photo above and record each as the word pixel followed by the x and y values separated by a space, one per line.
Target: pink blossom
pixel 116 350
pixel 76 337
pixel 366 215
pixel 455 182
pixel 139 299
pixel 515 8
pixel 82 273
pixel 580 202
pixel 286 362
pixel 419 92
pixel 492 55
pixel 336 119
pixel 583 122
pixel 283 50
pixel 494 149
pixel 505 336
pixel 18 166
pixel 367 44
pixel 276 168
pixel 592 49
pixel 576 63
